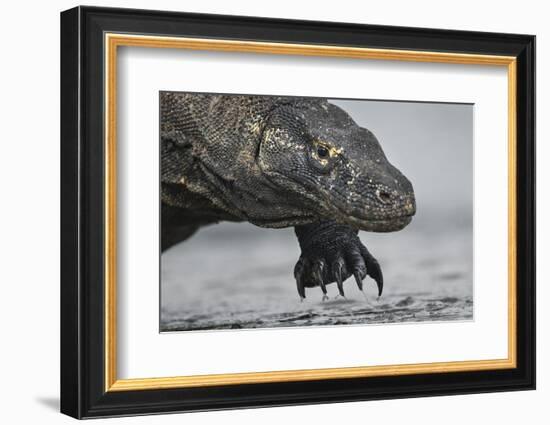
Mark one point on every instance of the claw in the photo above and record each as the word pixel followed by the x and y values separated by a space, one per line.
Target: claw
pixel 325 297
pixel 339 280
pixel 376 274
pixel 358 279
pixel 373 269
pixel 318 275
pixel 301 289
pixel 298 275
pixel 380 284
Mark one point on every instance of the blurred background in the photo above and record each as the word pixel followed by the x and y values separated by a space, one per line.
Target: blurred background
pixel 238 276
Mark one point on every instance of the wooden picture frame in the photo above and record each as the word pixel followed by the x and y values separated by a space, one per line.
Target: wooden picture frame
pixel 90 38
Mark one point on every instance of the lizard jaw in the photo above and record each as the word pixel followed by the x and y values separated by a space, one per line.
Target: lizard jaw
pixel 397 218
pixel 373 224
pixel 382 226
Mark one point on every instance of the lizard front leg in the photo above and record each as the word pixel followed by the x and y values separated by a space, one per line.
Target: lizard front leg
pixel 332 252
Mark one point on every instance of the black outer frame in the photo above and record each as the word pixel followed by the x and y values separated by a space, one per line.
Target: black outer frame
pixel 82 206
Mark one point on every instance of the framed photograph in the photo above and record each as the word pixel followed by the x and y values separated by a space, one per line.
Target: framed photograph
pixel 261 212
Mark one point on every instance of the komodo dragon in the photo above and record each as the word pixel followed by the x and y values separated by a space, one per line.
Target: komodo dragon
pixel 279 162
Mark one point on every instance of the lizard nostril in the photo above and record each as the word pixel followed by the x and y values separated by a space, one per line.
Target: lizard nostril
pixel 383 196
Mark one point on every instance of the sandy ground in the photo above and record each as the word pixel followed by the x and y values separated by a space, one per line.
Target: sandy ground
pixel 236 276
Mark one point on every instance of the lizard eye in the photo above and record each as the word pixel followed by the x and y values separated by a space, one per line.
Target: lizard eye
pixel 322 152
pixel 323 155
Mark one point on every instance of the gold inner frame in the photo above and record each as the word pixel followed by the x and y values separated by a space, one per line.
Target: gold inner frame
pixel 113 41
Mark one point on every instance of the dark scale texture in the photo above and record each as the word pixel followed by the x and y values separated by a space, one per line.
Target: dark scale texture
pixel 279 162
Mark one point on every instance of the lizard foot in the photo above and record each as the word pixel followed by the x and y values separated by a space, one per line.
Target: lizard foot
pixel 341 258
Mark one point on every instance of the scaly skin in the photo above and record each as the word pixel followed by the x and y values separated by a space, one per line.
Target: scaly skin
pixel 280 162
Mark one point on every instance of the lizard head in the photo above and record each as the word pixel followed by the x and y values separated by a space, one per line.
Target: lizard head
pixel 320 158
